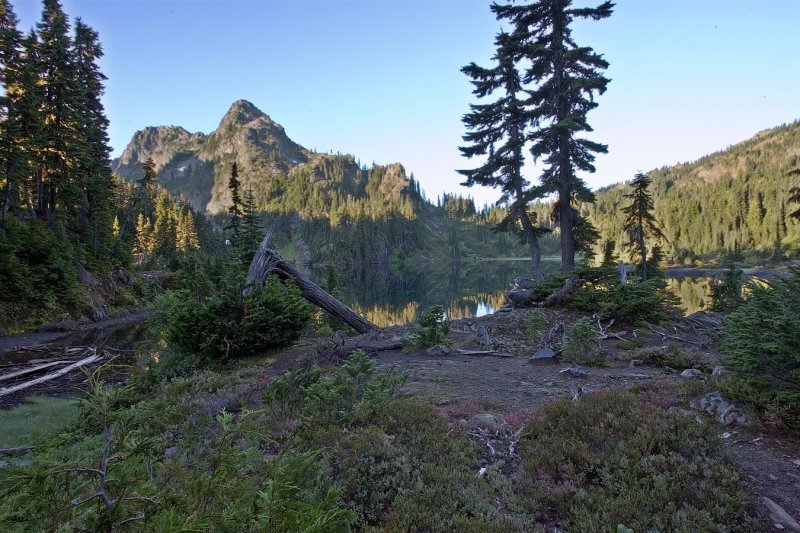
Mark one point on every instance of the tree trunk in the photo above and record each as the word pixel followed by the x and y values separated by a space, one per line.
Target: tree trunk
pixel 565 221
pixel 533 241
pixel 644 254
pixel 268 261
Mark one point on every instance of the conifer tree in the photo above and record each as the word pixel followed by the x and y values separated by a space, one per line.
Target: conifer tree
pixel 147 187
pixel 57 185
pixel 93 165
pixel 497 131
pixel 794 196
pixel 141 244
pixel 640 224
pixel 251 230
pixel 10 67
pixel 235 210
pixel 561 79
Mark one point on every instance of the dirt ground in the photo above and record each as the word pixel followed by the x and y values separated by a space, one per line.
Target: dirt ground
pixel 505 385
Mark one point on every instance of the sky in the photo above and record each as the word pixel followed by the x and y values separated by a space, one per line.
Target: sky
pixel 380 79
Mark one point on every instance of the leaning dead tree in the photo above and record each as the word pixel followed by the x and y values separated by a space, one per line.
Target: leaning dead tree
pixel 268 261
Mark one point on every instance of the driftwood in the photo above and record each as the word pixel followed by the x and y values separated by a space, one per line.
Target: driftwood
pixel 491 353
pixel 36 368
pixel 47 377
pixel 563 294
pixel 20 450
pixel 268 261
pixel 370 343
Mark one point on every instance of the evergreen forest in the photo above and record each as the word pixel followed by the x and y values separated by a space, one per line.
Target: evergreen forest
pixel 196 335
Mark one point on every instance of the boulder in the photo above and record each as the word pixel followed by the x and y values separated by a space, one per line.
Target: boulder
pixel 574 371
pixel 726 411
pixel 692 373
pixel 544 355
pixel 439 349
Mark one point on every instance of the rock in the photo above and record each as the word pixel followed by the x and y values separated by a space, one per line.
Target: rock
pixel 574 371
pixel 524 283
pixel 544 355
pixel 505 309
pixel 634 363
pixel 692 373
pixel 520 297
pixel 169 452
pixel 483 335
pixel 718 371
pixel 439 349
pixel 728 412
pixel 684 412
pixel 486 421
pixel 779 515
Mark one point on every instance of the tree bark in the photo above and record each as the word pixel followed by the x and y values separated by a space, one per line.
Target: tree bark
pixel 267 261
pixel 563 294
pixel 533 242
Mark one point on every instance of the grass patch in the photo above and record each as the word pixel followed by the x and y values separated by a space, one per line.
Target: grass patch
pixel 33 422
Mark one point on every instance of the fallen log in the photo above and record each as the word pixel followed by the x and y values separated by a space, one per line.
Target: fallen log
pixel 267 261
pixel 484 353
pixel 369 343
pixel 27 371
pixel 562 295
pixel 47 377
pixel 19 450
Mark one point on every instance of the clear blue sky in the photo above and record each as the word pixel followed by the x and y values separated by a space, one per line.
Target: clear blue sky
pixel 380 79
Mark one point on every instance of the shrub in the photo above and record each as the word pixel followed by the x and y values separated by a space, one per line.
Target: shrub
pixel 613 458
pixel 726 292
pixel 636 303
pixel 762 341
pixel 227 326
pixel 433 328
pixel 535 324
pixel 581 341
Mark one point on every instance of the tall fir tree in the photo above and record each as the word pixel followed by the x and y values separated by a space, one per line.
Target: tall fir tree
pixel 235 210
pixel 561 79
pixel 640 224
pixel 93 166
pixel 58 190
pixel 251 230
pixel 10 70
pixel 497 131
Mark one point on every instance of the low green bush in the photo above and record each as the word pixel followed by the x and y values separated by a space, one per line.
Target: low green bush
pixel 227 325
pixel 762 342
pixel 433 328
pixel 581 342
pixel 614 459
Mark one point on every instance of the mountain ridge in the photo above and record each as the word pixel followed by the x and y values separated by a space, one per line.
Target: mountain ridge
pixel 197 165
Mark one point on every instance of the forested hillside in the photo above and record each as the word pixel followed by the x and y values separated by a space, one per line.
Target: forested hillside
pixel 324 207
pixel 737 198
pixel 67 223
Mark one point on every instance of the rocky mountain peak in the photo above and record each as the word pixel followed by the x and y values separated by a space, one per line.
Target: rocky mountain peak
pixel 242 112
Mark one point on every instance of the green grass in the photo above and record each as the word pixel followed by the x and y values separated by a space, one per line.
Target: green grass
pixel 32 423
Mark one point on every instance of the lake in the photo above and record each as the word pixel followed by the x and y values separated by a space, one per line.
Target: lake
pixel 470 289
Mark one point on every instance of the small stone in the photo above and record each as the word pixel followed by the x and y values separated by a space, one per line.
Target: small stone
pixel 486 421
pixel 726 435
pixel 574 371
pixel 718 371
pixel 691 373
pixel 796 462
pixel 439 349
pixel 545 355
pixel 169 452
pixel 634 363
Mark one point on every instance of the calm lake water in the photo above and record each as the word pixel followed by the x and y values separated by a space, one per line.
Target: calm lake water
pixel 467 290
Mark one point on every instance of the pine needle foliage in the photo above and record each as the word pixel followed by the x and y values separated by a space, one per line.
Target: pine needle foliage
pixel 640 223
pixel 561 79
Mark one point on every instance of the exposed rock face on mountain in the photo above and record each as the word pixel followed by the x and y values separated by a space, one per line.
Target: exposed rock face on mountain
pixel 270 164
